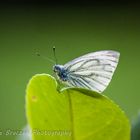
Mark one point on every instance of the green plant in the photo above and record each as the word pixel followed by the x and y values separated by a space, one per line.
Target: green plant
pixel 74 114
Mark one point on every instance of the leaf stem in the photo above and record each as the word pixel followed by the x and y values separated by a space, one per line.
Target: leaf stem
pixel 71 116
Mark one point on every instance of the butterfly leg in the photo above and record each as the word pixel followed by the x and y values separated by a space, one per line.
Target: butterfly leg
pixel 59 86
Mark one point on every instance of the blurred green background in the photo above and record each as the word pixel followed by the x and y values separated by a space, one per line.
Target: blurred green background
pixel 75 31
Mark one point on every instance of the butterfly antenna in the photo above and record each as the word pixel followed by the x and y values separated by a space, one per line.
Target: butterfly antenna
pixel 54 55
pixel 50 60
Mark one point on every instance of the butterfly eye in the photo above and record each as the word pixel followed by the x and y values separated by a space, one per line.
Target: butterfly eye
pixel 56 68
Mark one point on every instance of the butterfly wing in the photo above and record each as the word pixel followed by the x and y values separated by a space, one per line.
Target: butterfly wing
pixel 92 71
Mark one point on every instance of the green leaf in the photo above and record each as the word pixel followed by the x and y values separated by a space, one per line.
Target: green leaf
pixel 74 114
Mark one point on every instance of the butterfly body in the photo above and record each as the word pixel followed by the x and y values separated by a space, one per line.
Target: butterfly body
pixel 92 71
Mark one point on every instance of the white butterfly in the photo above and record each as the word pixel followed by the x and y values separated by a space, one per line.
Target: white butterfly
pixel 91 71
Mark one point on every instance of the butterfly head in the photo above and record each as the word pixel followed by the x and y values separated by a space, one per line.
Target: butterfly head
pixel 60 72
pixel 57 68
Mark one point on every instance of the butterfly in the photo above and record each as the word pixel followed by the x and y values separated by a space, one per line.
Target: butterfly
pixel 92 71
